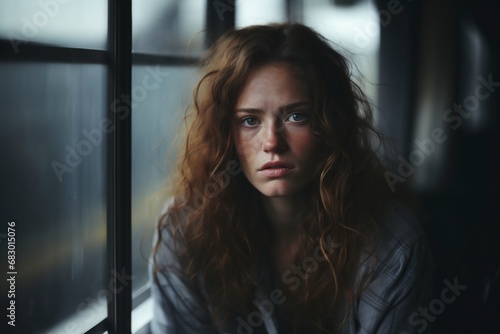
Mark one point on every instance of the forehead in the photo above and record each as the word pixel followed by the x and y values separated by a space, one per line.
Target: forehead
pixel 272 85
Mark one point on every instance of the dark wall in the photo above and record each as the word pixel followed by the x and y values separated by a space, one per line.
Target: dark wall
pixel 434 55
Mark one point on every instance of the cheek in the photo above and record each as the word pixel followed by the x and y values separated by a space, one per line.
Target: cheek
pixel 245 146
pixel 304 143
pixel 244 155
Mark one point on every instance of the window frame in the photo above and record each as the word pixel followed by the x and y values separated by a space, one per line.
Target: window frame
pixel 119 60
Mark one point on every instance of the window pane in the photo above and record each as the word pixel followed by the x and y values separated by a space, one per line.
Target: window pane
pixel 53 188
pixel 70 23
pixel 160 96
pixel 259 12
pixel 168 26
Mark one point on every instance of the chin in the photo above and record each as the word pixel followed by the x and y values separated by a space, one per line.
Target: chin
pixel 275 194
pixel 273 191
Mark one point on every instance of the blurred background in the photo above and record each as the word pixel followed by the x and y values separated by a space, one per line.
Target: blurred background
pixel 430 67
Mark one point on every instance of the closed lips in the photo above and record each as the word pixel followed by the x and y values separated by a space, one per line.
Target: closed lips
pixel 275 164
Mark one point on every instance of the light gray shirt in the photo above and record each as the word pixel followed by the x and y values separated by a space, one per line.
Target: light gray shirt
pixel 395 301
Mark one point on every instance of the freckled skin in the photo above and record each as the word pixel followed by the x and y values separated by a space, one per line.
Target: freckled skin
pixel 268 128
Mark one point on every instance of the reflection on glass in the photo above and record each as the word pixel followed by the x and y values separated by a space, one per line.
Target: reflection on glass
pixel 70 23
pixel 160 96
pixel 168 26
pixel 53 185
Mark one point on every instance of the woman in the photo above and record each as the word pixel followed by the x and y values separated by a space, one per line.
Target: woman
pixel 281 220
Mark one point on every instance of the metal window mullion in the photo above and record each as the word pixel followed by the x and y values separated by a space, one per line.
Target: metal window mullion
pixel 294 10
pixel 119 228
pixel 163 60
pixel 100 328
pixel 219 19
pixel 32 52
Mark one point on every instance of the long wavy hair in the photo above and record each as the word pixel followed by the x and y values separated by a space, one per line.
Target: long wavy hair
pixel 216 210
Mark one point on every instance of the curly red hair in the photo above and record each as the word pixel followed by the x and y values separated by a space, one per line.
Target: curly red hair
pixel 223 228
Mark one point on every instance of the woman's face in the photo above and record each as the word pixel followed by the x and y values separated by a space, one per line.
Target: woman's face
pixel 273 133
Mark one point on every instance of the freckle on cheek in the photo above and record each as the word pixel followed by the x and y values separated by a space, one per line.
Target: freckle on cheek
pixel 303 139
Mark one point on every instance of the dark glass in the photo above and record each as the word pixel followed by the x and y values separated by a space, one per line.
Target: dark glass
pixel 53 188
pixel 160 96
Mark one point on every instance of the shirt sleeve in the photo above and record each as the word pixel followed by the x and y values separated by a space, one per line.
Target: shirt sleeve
pixel 402 284
pixel 176 308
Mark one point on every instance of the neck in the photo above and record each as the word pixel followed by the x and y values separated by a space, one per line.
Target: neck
pixel 285 214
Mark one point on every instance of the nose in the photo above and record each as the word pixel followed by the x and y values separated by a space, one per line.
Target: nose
pixel 273 140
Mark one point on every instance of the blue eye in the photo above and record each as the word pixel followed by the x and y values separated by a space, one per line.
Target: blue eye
pixel 297 117
pixel 249 121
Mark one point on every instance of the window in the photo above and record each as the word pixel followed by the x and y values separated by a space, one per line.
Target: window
pixel 54 99
pixel 55 181
pixel 78 79
pixel 260 12
pixel 155 121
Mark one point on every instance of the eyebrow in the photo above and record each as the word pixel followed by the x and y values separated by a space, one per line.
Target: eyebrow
pixel 283 108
